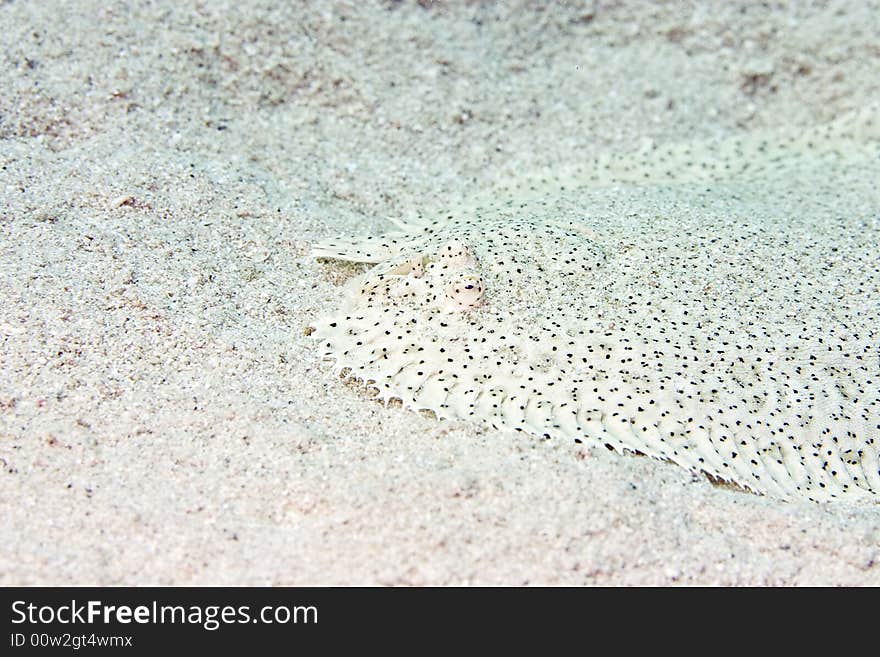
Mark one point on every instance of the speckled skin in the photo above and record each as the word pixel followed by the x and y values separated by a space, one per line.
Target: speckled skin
pixel 761 373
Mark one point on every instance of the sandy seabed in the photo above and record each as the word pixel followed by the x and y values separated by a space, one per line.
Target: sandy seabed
pixel 166 166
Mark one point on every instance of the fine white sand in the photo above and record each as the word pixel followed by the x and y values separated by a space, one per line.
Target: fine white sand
pixel 164 169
